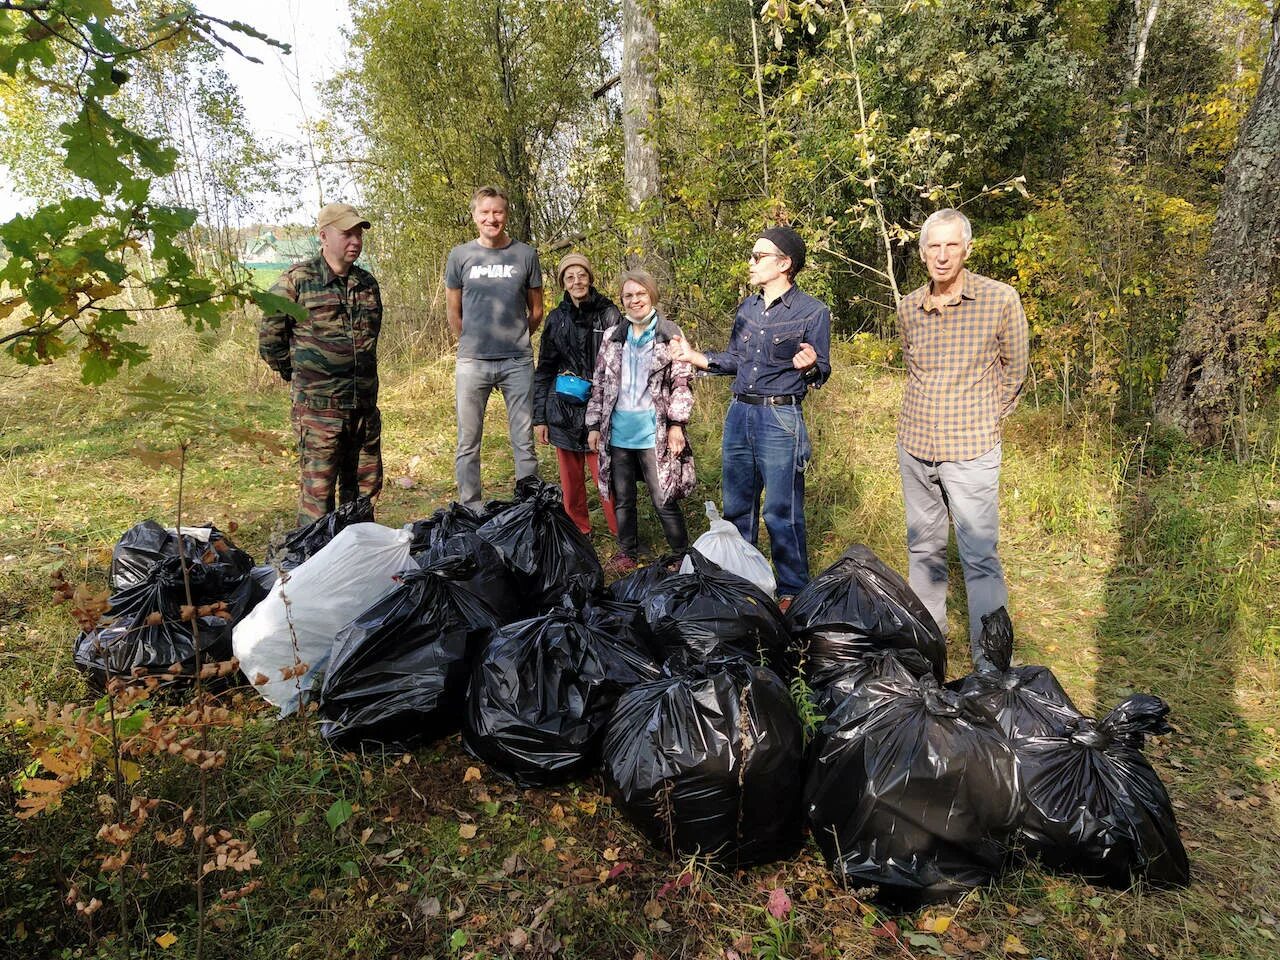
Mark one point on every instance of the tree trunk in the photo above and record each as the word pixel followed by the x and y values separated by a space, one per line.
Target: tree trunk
pixel 1144 18
pixel 640 143
pixel 1227 320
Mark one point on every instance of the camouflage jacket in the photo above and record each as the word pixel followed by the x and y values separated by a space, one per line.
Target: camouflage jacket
pixel 331 358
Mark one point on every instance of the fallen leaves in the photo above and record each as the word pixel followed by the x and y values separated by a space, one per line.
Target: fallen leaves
pixel 933 924
pixel 779 906
pixel 1012 945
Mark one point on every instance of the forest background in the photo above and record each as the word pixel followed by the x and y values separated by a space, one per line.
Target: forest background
pixel 1091 143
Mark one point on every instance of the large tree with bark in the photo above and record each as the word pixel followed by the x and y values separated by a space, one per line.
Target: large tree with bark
pixel 1218 350
pixel 640 143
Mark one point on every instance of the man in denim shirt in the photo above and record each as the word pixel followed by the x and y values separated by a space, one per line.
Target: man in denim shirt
pixel 779 348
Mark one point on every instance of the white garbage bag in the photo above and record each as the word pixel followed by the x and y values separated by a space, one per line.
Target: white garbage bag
pixel 325 593
pixel 724 545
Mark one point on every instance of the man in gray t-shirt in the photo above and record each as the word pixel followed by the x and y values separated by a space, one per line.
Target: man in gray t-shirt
pixel 493 290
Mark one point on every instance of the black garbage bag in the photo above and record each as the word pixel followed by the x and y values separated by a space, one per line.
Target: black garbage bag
pixel 127 640
pixel 635 586
pixel 543 691
pixel 492 581
pixel 1022 701
pixel 399 671
pixel 441 525
pixel 711 612
pixel 902 666
pixel 302 544
pixel 910 791
pixel 710 761
pixel 855 606
pixel 620 619
pixel 228 577
pixel 542 545
pixel 265 576
pixel 1094 805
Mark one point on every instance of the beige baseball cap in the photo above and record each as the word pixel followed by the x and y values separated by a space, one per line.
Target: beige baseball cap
pixel 341 215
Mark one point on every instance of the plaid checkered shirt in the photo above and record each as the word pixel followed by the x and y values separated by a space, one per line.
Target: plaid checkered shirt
pixel 966 362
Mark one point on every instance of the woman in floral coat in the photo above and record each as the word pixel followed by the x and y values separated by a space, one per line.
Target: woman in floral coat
pixel 640 405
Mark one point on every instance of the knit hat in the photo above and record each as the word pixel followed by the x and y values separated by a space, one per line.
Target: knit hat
pixel 574 260
pixel 789 243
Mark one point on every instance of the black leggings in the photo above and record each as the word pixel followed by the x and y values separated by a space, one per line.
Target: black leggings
pixel 628 467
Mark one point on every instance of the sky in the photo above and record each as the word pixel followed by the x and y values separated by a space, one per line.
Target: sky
pixel 270 91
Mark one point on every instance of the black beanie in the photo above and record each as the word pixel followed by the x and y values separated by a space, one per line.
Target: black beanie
pixel 789 242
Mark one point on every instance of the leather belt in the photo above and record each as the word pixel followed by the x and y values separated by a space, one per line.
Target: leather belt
pixel 755 399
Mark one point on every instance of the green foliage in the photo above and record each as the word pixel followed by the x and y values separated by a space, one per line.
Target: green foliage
pixel 444 97
pixel 1106 265
pixel 80 268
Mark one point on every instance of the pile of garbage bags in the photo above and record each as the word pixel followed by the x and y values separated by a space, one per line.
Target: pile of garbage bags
pixel 145 628
pixel 682 683
pixel 927 791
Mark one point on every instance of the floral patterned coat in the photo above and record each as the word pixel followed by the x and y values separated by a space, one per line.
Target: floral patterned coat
pixel 670 387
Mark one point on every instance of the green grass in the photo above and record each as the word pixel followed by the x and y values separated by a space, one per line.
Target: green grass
pixel 1133 564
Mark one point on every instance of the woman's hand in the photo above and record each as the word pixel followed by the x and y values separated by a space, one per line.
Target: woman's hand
pixel 593 441
pixel 675 439
pixel 541 433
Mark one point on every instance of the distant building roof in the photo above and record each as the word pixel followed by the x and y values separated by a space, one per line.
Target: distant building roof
pixel 268 250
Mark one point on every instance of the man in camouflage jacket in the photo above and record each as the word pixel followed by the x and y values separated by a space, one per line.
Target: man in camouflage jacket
pixel 331 361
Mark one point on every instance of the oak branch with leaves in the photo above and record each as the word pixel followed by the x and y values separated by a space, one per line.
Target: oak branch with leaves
pixel 79 271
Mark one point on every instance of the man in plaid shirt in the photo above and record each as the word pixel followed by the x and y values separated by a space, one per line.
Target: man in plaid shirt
pixel 964 340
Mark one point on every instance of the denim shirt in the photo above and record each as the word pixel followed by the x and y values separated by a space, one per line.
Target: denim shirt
pixel 765 339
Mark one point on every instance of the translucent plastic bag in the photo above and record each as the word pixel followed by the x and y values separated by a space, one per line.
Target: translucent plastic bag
pixel 325 594
pixel 724 545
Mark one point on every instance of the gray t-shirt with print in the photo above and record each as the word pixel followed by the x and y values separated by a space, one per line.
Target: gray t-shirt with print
pixel 495 309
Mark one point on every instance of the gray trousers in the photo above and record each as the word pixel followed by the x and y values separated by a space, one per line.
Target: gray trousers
pixel 474 381
pixel 965 493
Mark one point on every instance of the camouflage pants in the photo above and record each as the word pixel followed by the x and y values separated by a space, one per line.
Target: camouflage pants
pixel 339 452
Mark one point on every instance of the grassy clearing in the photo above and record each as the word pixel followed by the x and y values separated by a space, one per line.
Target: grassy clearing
pixel 1133 565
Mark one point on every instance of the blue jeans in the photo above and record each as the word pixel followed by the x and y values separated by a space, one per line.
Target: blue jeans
pixel 767 449
pixel 964 494
pixel 475 380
